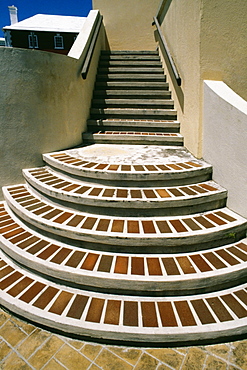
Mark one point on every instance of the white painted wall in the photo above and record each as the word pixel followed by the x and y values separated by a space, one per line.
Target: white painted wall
pixel 44 105
pixel 225 141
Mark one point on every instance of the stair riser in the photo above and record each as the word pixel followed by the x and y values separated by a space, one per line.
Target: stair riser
pixel 143 105
pixel 129 64
pixel 129 70
pixel 131 77
pixel 131 95
pixel 131 85
pixel 112 139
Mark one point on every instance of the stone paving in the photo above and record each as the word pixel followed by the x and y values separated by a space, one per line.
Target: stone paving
pixel 24 346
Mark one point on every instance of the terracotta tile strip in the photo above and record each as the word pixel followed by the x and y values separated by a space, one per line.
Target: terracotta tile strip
pixel 137 266
pixel 90 261
pixel 5 271
pixel 170 266
pixel 214 260
pixel 242 295
pixel 77 308
pixel 234 305
pixel 219 309
pixel 185 314
pixel 203 312
pixel 149 316
pixel 61 303
pixel 105 263
pixel 148 227
pixel 20 286
pixel 121 265
pixel 130 317
pixel 112 314
pixel 48 252
pixel 200 263
pixel 154 266
pixel 238 253
pixel 75 259
pixel 95 310
pixel 227 257
pixel 45 298
pixel 186 265
pixel 37 247
pixel 28 242
pixel 5 283
pixel 34 290
pixel 167 315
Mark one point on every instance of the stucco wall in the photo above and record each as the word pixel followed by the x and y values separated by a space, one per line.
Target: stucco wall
pixel 44 105
pixel 207 40
pixel 180 24
pixel 225 138
pixel 128 23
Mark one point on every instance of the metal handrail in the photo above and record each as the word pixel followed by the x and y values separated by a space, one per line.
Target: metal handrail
pixel 90 50
pixel 172 64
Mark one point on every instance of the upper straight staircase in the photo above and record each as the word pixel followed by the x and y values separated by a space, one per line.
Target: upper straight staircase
pixel 126 238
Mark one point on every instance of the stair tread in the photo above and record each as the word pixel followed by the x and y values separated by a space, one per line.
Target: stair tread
pixel 62 187
pixel 182 271
pixel 179 231
pixel 122 317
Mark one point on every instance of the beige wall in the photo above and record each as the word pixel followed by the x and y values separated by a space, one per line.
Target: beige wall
pixel 44 105
pixel 181 26
pixel 207 40
pixel 128 23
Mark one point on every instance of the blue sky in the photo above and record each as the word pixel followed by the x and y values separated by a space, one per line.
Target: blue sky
pixel 28 8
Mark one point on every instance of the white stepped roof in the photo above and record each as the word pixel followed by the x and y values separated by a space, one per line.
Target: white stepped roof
pixel 50 23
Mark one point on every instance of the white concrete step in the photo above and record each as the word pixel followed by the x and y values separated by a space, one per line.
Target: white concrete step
pixel 132 138
pixel 126 69
pixel 123 273
pixel 136 200
pixel 122 318
pixel 132 94
pixel 142 77
pixel 144 85
pixel 135 163
pixel 134 113
pixel 135 125
pixel 160 234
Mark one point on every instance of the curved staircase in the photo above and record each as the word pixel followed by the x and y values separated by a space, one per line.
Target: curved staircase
pixel 132 242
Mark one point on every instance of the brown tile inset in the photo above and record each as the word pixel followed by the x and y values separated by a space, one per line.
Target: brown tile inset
pixel 204 222
pixel 89 223
pixel 149 316
pixel 105 263
pixel 139 168
pixel 234 305
pixel 121 265
pixel 95 192
pixel 113 167
pixel 95 310
pixel 122 193
pixel 208 187
pixel 238 253
pixel 148 227
pixel 108 193
pixel 149 193
pixel 163 193
pixel 227 257
pixel 103 225
pixel 203 312
pixel 90 261
pixel 186 265
pixel 37 247
pixel 219 309
pixel 75 220
pixel 61 303
pixel 215 219
pixel 20 286
pixel 163 227
pixel 52 214
pixel 187 190
pixel 45 297
pixel 225 216
pixel 178 226
pixel 185 314
pixel 170 266
pixel 42 210
pixel 112 314
pixel 137 266
pixel 34 290
pixel 214 260
pixel 5 271
pixel 21 237
pixel 63 217
pixel 242 295
pixel 48 252
pixel 117 226
pixel 154 266
pixel 77 308
pixel 200 263
pixel 82 190
pixel 192 224
pixel 28 242
pixel 61 255
pixel 9 280
pixel 75 259
pixel 130 317
pixel 136 194
pixel 167 315
pixel 176 192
